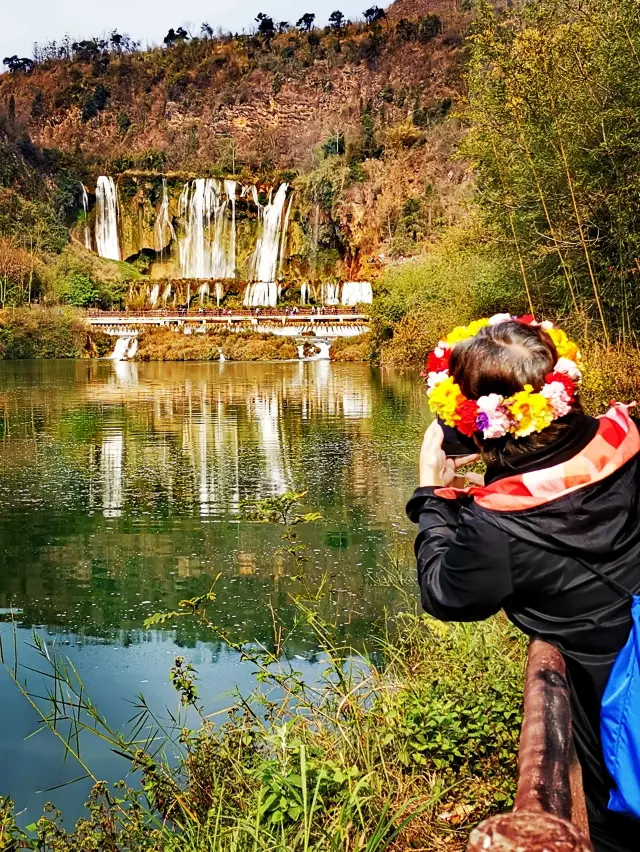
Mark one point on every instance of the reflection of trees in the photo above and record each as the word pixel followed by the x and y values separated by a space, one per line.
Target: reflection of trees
pixel 135 484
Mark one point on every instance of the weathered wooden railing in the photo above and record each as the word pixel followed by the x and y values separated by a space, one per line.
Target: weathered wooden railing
pixel 549 813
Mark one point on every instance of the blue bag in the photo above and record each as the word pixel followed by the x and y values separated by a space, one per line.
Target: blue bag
pixel 620 722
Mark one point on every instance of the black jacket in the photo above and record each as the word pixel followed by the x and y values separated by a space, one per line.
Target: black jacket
pixel 473 561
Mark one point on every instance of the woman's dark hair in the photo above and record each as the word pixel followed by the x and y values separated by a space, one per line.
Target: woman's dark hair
pixel 503 359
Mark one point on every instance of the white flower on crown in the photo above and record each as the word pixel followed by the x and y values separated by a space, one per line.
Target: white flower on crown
pixel 568 368
pixel 498 318
pixel 498 419
pixel 435 379
pixel 547 325
pixel 558 397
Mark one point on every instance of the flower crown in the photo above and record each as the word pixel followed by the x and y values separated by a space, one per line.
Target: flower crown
pixel 496 416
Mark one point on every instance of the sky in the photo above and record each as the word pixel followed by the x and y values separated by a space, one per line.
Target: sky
pixel 29 21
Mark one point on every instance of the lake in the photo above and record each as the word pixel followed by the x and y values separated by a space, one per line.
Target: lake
pixel 122 491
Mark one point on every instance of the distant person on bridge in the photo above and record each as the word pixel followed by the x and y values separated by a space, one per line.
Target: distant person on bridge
pixel 552 535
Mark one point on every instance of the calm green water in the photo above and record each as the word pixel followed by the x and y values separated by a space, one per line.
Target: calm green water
pixel 121 492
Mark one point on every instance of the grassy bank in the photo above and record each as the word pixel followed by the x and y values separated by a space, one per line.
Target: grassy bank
pixel 407 752
pixel 162 345
pixel 49 333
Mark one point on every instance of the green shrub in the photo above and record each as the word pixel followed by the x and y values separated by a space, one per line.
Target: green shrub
pixel 462 277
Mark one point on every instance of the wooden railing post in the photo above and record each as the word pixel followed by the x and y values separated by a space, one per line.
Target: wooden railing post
pixel 549 813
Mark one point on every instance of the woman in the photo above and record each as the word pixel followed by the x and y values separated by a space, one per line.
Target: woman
pixel 561 495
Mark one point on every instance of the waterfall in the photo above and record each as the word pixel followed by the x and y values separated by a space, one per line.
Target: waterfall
pixel 121 348
pixel 163 231
pixel 85 207
pixel 357 293
pixel 330 294
pixel 230 187
pixel 133 348
pixel 155 294
pixel 204 292
pixel 208 248
pixel 283 240
pixel 265 261
pixel 166 295
pixel 107 241
pixel 261 293
pixel 304 293
pixel 219 292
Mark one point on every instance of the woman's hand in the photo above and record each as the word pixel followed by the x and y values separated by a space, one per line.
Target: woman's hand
pixel 437 469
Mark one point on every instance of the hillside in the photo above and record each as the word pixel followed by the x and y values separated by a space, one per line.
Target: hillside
pixel 357 118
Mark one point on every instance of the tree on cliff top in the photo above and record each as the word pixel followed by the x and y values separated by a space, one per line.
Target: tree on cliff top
pixel 266 27
pixel 337 20
pixel 174 36
pixel 374 14
pixel 17 65
pixel 306 22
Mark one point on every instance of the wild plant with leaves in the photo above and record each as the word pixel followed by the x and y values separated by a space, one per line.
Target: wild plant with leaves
pixel 401 748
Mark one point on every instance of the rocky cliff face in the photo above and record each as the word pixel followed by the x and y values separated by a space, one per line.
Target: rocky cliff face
pixel 359 120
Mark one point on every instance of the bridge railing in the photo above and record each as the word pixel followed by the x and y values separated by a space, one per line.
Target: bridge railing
pixel 224 313
pixel 549 814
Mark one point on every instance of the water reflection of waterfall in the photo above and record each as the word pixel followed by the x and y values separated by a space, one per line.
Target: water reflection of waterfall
pixel 267 414
pixel 107 241
pixel 111 474
pixel 208 248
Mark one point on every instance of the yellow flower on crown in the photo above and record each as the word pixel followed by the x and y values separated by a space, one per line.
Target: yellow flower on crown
pixel 463 332
pixel 566 348
pixel 531 411
pixel 444 400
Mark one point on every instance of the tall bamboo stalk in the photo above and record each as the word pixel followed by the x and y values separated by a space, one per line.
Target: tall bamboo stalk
pixel 552 231
pixel 513 230
pixel 585 248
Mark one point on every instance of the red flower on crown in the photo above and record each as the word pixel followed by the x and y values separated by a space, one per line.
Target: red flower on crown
pixel 466 417
pixel 567 381
pixel 527 319
pixel 436 363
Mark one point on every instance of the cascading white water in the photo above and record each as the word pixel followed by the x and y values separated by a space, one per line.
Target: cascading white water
pixel 264 266
pixel 304 293
pixel 85 207
pixel 121 348
pixel 167 294
pixel 208 248
pixel 204 292
pixel 107 240
pixel 283 239
pixel 331 294
pixel 155 295
pixel 261 293
pixel 357 293
pixel 163 232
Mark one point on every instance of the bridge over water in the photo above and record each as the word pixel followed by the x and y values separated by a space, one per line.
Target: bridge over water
pixel 300 322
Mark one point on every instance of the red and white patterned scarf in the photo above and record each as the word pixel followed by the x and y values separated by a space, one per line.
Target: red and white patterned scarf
pixel 616 442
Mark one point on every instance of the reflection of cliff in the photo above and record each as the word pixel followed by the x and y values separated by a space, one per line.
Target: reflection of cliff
pixel 138 481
